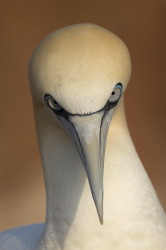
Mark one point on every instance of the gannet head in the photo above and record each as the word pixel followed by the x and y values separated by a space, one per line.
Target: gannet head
pixel 80 73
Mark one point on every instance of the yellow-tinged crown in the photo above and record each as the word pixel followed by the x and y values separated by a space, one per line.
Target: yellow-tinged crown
pixel 79 66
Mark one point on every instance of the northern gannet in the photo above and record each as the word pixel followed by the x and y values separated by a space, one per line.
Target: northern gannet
pixel 78 75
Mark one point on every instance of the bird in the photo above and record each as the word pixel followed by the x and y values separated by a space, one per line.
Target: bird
pixel 98 194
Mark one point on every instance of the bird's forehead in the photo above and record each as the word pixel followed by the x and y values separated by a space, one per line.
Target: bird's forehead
pixel 79 66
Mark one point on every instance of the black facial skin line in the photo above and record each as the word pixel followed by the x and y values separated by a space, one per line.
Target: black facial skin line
pixel 65 114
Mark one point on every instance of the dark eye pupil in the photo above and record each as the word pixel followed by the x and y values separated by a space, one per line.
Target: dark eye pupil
pixel 113 93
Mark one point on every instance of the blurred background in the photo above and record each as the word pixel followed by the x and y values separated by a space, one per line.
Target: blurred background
pixel 142 25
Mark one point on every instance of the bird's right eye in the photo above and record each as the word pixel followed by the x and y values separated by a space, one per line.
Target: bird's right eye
pixel 51 103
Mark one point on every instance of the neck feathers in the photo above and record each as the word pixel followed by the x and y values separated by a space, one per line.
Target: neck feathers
pixel 130 202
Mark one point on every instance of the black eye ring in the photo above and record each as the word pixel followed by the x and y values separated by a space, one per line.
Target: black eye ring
pixel 51 103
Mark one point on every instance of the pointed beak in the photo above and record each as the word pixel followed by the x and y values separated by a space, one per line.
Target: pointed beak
pixel 90 133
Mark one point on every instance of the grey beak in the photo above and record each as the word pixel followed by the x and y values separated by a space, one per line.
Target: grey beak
pixel 89 133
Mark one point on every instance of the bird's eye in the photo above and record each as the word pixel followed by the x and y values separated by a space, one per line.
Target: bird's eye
pixel 116 93
pixel 51 103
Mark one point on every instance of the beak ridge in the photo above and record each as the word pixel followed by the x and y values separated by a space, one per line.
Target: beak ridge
pixel 89 133
pixel 88 129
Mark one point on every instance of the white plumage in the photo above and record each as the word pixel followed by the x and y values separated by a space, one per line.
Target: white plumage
pixel 77 76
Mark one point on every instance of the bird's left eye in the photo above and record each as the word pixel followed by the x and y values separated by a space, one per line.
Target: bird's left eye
pixel 51 103
pixel 116 93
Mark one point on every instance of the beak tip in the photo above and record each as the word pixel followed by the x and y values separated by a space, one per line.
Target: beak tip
pixel 101 219
pixel 99 208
